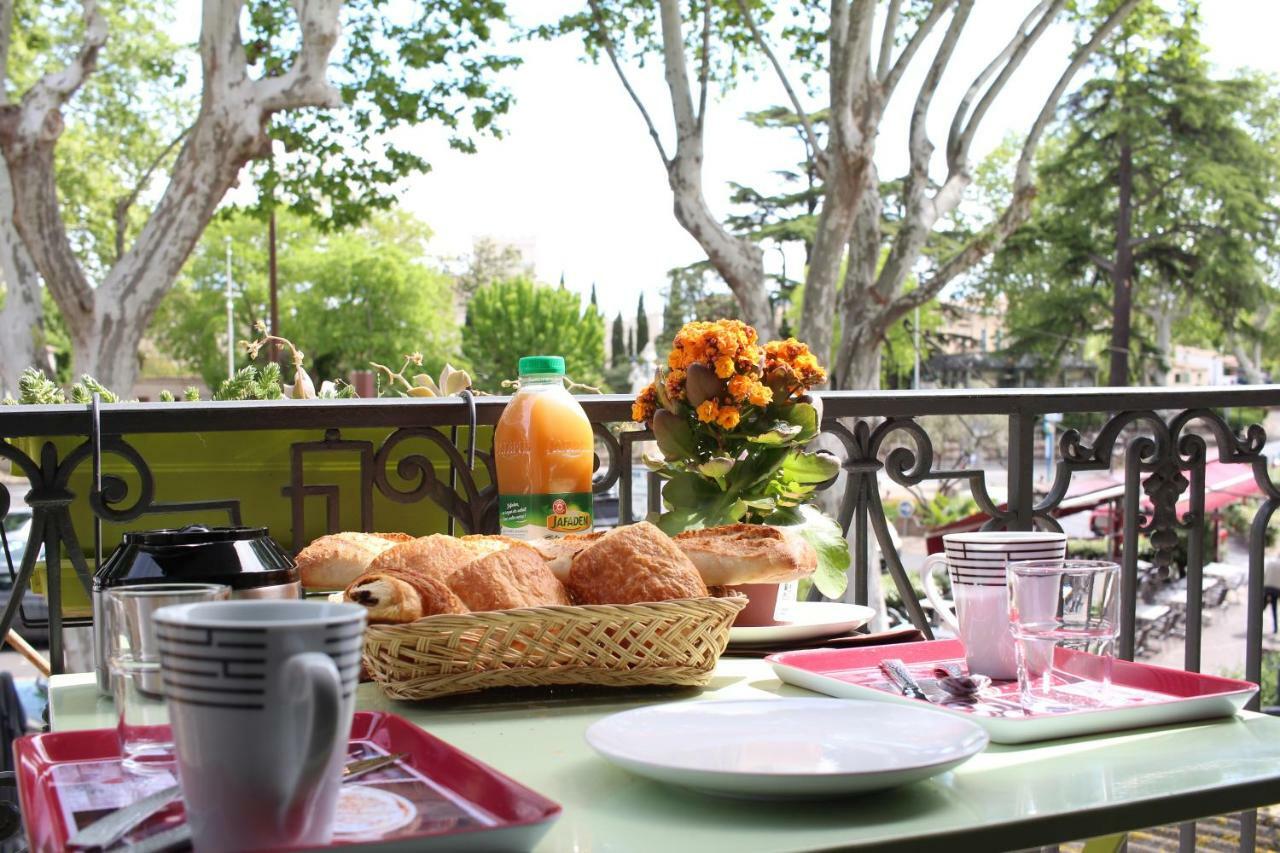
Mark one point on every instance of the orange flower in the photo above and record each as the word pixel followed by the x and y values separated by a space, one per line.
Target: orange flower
pixel 740 386
pixel 708 411
pixel 728 417
pixel 646 403
pixel 724 366
pixel 790 366
pixel 760 395
pixel 675 384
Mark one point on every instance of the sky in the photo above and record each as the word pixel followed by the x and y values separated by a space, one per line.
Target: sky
pixel 576 182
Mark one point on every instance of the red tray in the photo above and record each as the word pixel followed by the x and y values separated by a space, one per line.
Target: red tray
pixel 447 799
pixel 1140 694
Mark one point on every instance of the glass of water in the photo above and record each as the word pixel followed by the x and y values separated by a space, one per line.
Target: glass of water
pixel 145 742
pixel 1059 609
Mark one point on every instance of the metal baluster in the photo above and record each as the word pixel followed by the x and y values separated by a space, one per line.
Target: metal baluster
pixel 1022 445
pixel 1129 552
pixel 95 442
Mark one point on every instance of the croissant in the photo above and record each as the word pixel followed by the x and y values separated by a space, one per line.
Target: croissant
pixel 396 595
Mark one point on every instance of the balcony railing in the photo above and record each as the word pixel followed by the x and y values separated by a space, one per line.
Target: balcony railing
pixel 90 462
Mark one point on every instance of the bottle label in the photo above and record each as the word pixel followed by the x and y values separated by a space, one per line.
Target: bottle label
pixel 544 516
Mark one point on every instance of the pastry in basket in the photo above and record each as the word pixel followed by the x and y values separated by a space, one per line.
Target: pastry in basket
pixel 559 553
pixel 748 553
pixel 436 555
pixel 633 564
pixel 484 544
pixel 504 580
pixel 333 561
pixel 395 595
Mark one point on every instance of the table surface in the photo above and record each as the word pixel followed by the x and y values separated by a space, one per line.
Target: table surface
pixel 1006 797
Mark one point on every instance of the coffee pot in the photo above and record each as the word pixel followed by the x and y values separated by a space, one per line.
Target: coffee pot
pixel 246 559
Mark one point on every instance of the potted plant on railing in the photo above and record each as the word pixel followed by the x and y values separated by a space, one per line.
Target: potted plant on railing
pixel 732 419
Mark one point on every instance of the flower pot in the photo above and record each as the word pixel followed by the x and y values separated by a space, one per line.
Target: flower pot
pixel 767 604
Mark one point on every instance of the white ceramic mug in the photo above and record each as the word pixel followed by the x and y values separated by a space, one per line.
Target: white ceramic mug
pixel 976 564
pixel 260 695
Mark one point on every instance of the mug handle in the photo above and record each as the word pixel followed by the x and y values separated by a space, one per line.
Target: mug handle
pixel 931 591
pixel 315 678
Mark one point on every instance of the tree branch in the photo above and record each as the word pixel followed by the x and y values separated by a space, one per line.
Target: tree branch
pixel 964 125
pixel 28 132
pixel 1104 264
pixel 890 82
pixel 677 72
pixel 306 84
pixel 602 34
pixel 704 73
pixel 125 204
pixel 815 152
pixel 1023 194
pixel 887 37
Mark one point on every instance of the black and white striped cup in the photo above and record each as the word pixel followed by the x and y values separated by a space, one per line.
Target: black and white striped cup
pixel 260 695
pixel 976 564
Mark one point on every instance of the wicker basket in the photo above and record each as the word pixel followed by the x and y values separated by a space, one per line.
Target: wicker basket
pixel 616 645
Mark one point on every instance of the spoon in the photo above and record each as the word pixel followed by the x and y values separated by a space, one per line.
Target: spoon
pixel 951 679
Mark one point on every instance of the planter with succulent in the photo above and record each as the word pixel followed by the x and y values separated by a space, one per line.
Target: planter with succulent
pixel 249 466
pixel 732 419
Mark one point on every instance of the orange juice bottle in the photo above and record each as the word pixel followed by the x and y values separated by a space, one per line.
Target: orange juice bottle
pixel 545 452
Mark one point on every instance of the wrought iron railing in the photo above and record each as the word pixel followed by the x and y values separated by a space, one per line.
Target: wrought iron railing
pixel 1161 438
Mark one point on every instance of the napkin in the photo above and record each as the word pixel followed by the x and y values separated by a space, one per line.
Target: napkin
pixel 844 641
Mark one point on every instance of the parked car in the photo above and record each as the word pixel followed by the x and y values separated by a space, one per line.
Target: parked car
pixel 17 531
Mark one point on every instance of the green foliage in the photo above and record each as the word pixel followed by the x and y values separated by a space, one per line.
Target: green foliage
pixel 510 319
pixel 1088 549
pixel 618 342
pixel 349 297
pixel 691 295
pixel 166 396
pixel 1238 518
pixel 397 65
pixel 941 510
pixel 83 391
pixel 36 388
pixel 191 394
pixel 1206 173
pixel 252 383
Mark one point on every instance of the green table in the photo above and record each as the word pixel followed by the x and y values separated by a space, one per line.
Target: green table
pixel 1007 797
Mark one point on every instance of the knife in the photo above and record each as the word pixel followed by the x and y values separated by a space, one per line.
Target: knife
pixel 896 670
pixel 106 831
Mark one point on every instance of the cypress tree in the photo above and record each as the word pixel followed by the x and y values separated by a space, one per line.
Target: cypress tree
pixel 642 327
pixel 618 350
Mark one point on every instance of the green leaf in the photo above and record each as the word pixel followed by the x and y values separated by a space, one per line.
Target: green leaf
pixel 716 467
pixel 822 532
pixel 689 489
pixel 674 436
pixel 780 433
pixel 810 468
pixel 805 417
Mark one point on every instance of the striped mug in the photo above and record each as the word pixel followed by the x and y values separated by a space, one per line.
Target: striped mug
pixel 260 695
pixel 976 564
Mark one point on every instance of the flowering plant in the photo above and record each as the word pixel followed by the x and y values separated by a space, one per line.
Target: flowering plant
pixel 731 418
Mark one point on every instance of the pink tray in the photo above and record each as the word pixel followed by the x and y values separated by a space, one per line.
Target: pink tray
pixel 1140 694
pixel 66 780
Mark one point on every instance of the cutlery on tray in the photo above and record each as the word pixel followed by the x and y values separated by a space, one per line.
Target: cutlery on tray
pixel 108 830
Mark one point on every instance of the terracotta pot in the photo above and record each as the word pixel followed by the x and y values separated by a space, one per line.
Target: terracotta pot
pixel 761 606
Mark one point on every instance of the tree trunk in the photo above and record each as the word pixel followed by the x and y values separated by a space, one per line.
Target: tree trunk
pixel 22 317
pixel 857 362
pixel 835 221
pixel 1122 271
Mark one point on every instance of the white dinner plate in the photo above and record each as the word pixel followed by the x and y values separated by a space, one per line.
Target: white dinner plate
pixel 785 748
pixel 810 620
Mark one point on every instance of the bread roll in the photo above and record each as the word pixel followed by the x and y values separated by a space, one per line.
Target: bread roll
pixel 483 544
pixel 400 596
pixel 507 579
pixel 633 564
pixel 334 561
pixel 748 553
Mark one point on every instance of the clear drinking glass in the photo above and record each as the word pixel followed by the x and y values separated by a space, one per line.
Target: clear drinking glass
pixel 1057 610
pixel 134 662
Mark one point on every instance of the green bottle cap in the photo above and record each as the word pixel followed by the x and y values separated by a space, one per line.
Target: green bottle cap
pixel 532 365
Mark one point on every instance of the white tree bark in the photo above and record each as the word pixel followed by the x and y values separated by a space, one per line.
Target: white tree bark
pixel 107 322
pixel 22 317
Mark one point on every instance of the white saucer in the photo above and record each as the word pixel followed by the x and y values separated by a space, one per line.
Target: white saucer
pixel 785 748
pixel 810 620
